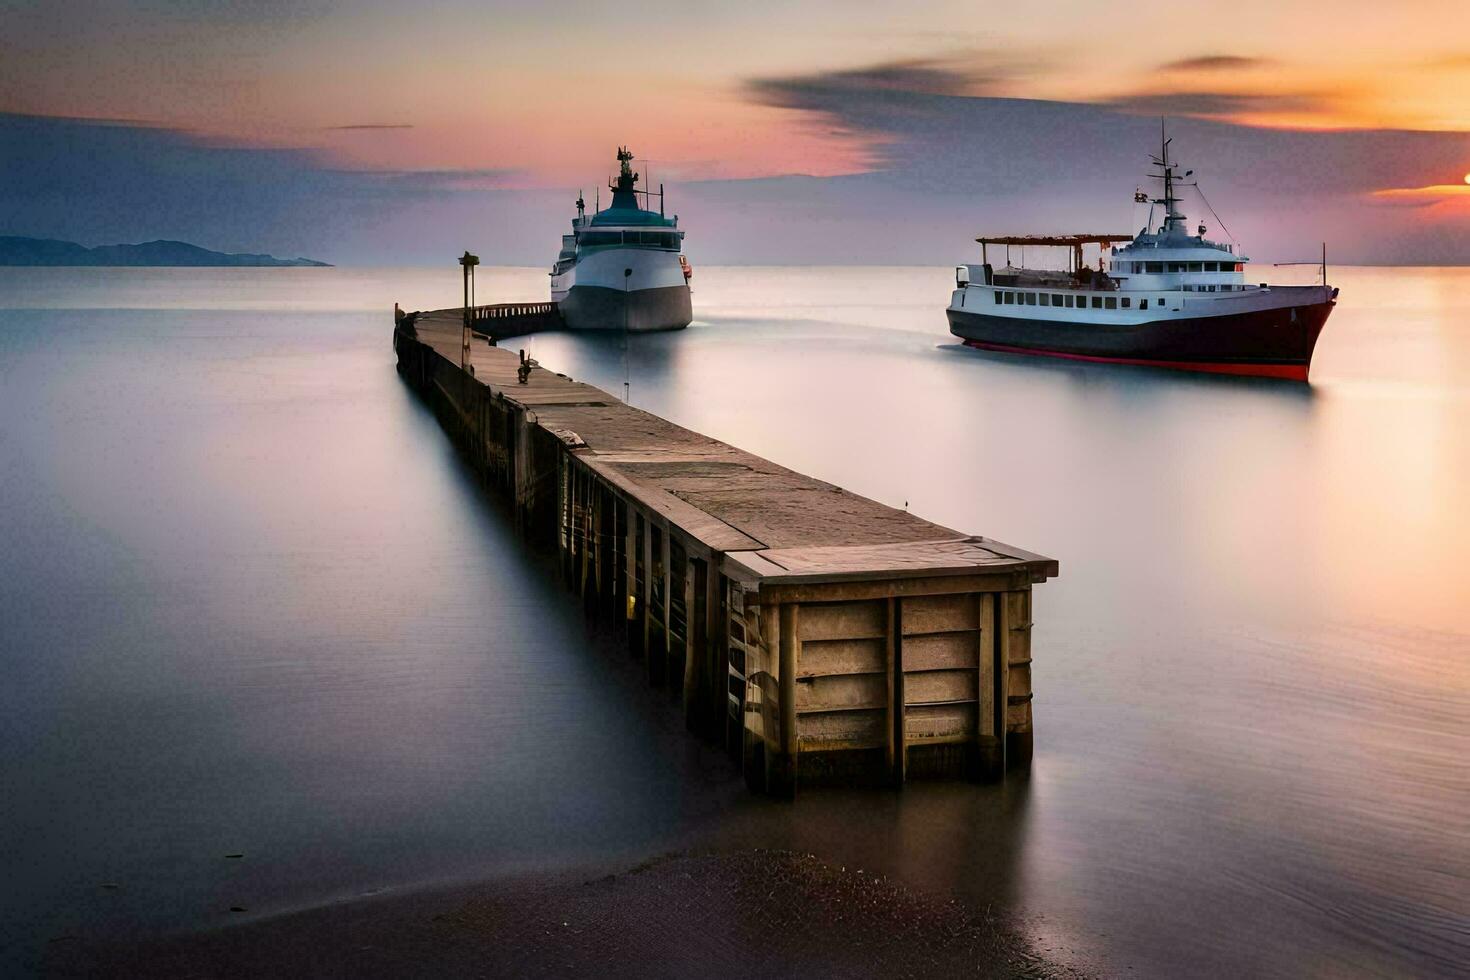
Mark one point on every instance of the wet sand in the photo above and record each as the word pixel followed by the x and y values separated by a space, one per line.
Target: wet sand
pixel 746 913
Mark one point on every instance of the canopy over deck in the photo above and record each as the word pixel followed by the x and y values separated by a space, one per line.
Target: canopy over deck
pixel 1070 241
pixel 1074 242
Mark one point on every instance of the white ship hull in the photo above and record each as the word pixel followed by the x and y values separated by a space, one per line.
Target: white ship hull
pixel 634 289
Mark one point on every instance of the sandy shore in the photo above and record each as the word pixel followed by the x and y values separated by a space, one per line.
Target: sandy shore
pixel 749 913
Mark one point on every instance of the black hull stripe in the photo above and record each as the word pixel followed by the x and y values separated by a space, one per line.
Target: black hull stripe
pixel 1281 336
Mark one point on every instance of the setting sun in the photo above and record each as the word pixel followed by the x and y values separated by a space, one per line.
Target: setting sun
pixel 1467 178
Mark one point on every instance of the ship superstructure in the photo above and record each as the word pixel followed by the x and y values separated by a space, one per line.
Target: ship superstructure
pixel 622 268
pixel 1166 298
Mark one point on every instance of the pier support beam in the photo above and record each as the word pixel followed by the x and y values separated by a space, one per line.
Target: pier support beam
pixel 697 643
pixel 897 710
pixel 1018 739
pixel 989 754
pixel 782 769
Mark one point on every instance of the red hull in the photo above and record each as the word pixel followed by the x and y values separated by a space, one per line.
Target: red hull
pixel 1287 372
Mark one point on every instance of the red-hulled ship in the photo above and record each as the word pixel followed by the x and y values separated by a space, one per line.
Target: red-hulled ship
pixel 1165 299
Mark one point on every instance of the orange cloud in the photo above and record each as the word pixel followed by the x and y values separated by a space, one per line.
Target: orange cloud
pixel 1434 192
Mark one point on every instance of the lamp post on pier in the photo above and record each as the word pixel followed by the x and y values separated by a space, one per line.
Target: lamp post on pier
pixel 469 262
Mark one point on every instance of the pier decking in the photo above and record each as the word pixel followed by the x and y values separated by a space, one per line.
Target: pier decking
pixel 819 634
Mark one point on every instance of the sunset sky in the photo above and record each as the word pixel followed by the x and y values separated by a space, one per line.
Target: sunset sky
pixel 383 132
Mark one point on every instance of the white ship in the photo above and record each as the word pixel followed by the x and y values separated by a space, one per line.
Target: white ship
pixel 1165 299
pixel 622 268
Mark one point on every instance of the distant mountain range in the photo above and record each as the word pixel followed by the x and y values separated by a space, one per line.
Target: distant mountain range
pixel 47 251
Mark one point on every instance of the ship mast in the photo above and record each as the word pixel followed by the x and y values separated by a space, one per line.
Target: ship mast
pixel 625 190
pixel 1172 218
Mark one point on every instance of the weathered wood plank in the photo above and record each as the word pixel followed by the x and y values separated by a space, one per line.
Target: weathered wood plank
pixel 935 686
pixel 843 621
pixel 941 651
pixel 824 657
pixel 781 752
pixel 818 589
pixel 841 692
pixel 938 614
pixel 940 721
pixel 893 734
pixel 856 727
pixel 985 656
pixel 898 706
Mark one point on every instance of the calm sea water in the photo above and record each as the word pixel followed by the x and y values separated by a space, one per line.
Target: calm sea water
pixel 251 603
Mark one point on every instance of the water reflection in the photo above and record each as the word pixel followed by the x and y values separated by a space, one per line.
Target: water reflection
pixel 1256 672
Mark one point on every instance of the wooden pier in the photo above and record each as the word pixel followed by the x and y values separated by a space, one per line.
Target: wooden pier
pixel 820 635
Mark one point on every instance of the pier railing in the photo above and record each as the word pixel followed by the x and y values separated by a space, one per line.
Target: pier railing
pixel 514 319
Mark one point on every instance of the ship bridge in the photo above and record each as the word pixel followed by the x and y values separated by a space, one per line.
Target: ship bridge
pixel 624 222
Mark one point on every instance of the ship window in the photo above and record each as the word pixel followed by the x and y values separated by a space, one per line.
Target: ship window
pixel 1239 267
pixel 1194 266
pixel 1111 302
pixel 592 238
pixel 1045 299
pixel 1161 301
pixel 1056 301
pixel 1143 304
pixel 1011 298
pixel 1030 299
pixel 1068 302
pixel 1176 266
pixel 1154 266
pixel 1127 302
pixel 1097 302
pixel 997 294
